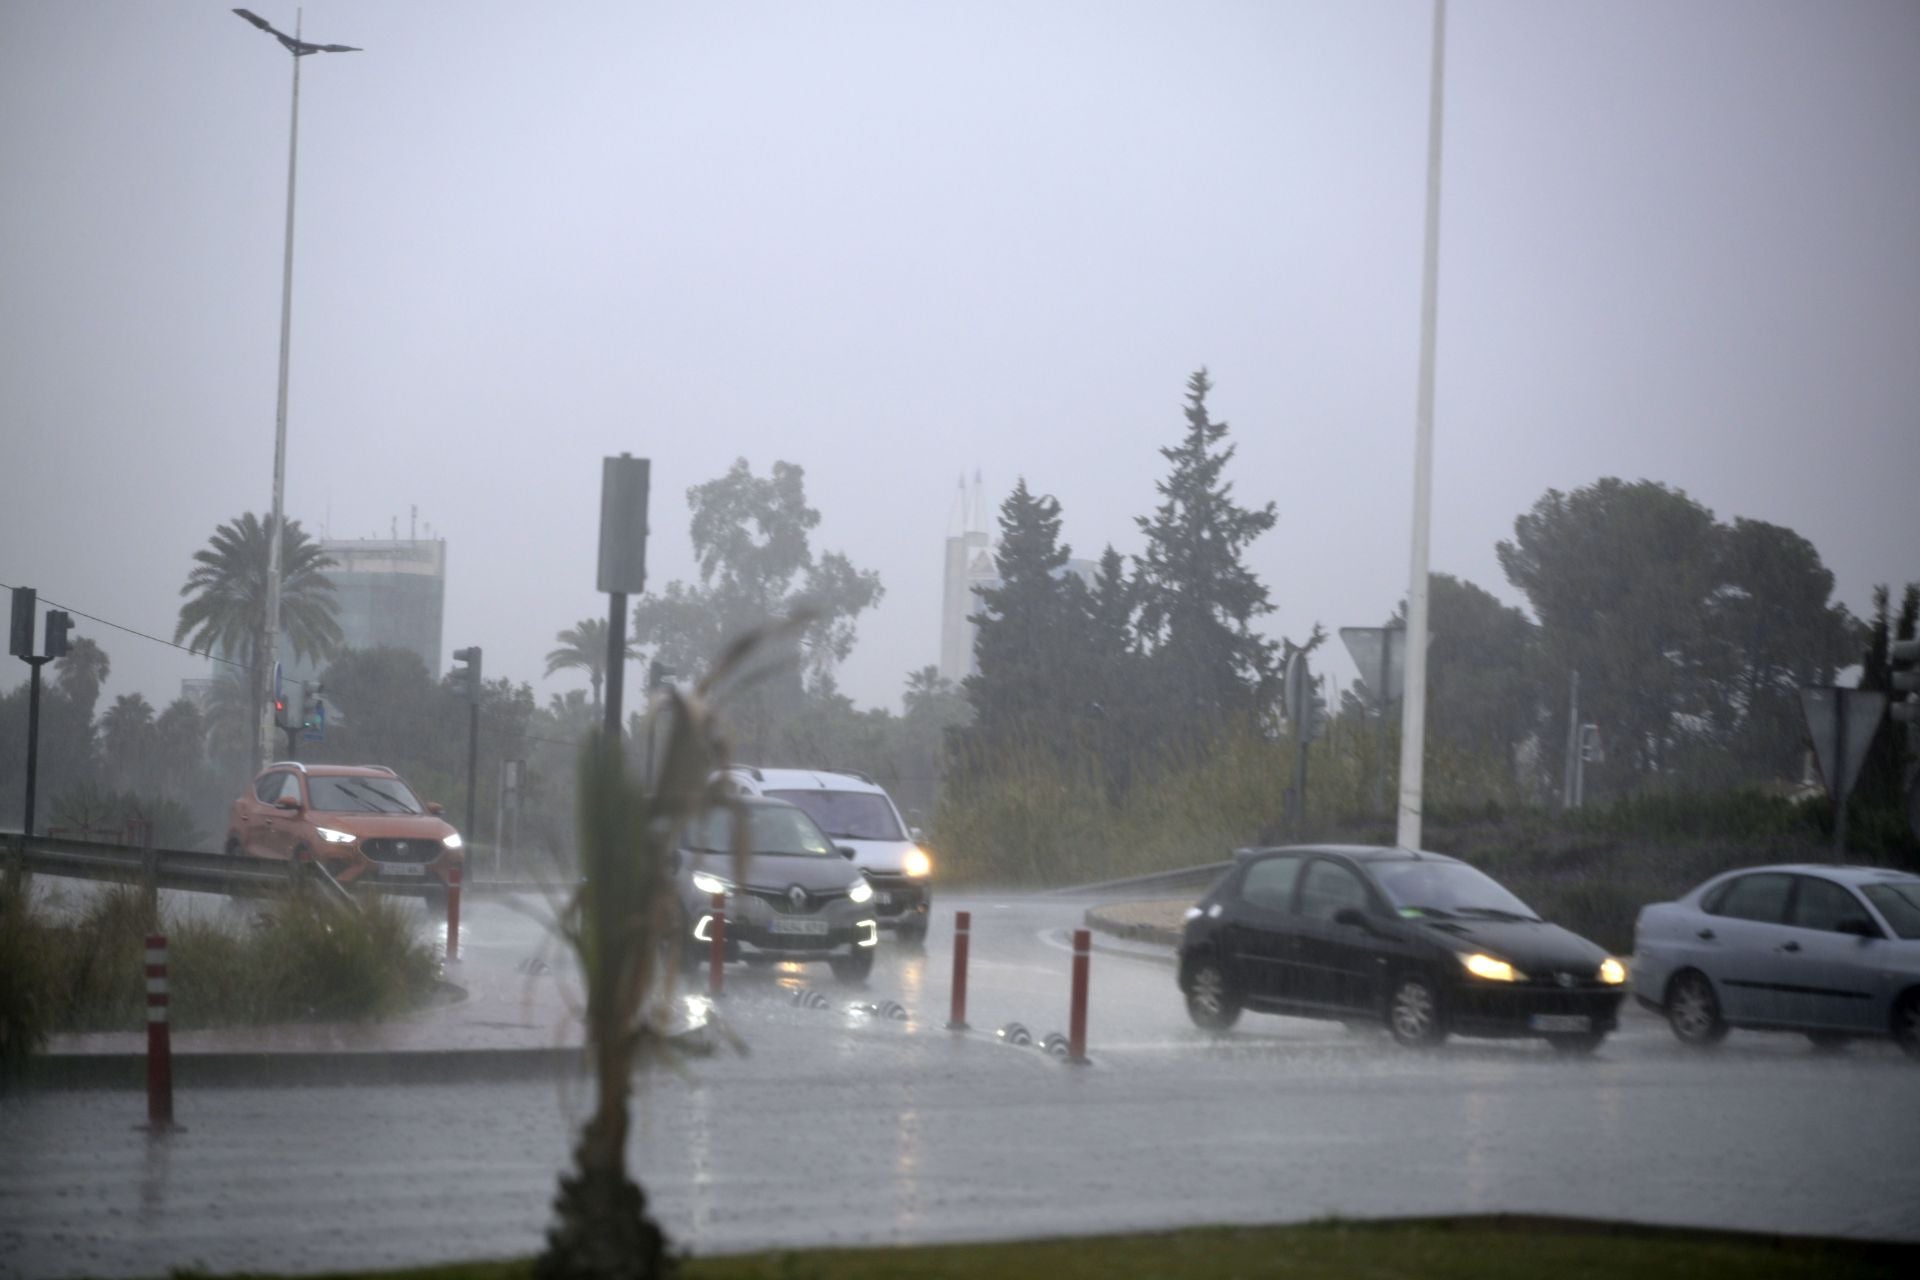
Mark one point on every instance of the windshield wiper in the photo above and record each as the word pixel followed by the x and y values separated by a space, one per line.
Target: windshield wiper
pixel 1439 913
pixel 1498 913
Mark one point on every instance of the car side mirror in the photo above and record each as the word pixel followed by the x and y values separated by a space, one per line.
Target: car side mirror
pixel 1351 916
pixel 846 851
pixel 288 803
pixel 435 808
pixel 916 834
pixel 1858 926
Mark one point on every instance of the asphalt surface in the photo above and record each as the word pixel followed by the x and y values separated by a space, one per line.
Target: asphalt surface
pixel 840 1126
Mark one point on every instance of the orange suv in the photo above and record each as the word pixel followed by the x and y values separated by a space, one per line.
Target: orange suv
pixel 359 820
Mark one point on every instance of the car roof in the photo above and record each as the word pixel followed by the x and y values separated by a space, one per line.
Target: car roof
pixel 807 779
pixel 1357 852
pixel 333 770
pixel 1844 874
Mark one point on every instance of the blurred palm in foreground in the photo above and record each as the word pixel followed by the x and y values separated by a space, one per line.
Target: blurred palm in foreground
pixel 622 924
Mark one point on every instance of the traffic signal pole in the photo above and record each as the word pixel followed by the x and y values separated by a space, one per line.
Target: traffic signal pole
pixel 33 740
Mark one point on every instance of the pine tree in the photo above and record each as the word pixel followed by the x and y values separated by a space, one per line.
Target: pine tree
pixel 1196 597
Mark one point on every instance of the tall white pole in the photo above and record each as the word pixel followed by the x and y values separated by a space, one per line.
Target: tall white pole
pixel 270 641
pixel 1413 725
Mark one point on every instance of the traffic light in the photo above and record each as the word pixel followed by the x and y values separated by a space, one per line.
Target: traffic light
pixel 59 625
pixel 466 678
pixel 20 638
pixel 658 675
pixel 1905 656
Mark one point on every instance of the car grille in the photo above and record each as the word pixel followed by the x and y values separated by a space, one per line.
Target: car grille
pixel 779 900
pixel 401 850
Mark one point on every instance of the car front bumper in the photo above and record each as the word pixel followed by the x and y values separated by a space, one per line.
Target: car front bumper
pixel 1533 1010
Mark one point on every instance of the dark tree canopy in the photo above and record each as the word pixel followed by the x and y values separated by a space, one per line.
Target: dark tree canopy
pixel 1196 596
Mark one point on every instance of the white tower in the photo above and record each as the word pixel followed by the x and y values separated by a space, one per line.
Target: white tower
pixel 969 566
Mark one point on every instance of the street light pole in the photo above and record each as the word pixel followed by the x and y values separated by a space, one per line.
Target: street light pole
pixel 1413 724
pixel 267 651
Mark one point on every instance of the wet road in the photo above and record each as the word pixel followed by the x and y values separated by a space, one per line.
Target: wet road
pixel 841 1127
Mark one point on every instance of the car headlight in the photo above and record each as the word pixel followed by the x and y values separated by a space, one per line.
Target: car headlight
pixel 1612 972
pixel 861 891
pixel 917 863
pixel 454 841
pixel 334 837
pixel 707 882
pixel 1485 966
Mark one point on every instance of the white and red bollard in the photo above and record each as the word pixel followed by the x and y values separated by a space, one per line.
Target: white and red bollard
pixel 1077 1018
pixel 717 946
pixel 159 1038
pixel 962 931
pixel 453 912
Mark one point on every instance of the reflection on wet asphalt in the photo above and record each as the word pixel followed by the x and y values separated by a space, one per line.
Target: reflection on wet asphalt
pixel 842 1125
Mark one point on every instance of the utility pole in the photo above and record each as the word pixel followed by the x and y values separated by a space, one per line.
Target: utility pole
pixel 1573 742
pixel 624 482
pixel 26 602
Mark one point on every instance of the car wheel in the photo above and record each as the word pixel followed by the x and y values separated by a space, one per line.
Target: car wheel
pixel 1906 1022
pixel 1578 1045
pixel 852 968
pixel 1212 1001
pixel 1693 1011
pixel 1413 1013
pixel 1828 1041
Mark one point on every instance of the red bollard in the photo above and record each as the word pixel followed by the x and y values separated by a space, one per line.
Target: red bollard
pixel 962 930
pixel 1077 1019
pixel 159 1038
pixel 717 945
pixel 453 912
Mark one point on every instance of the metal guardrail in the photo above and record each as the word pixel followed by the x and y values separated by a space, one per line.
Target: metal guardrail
pixel 232 875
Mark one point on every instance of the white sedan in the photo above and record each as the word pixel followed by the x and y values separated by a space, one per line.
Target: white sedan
pixel 1830 952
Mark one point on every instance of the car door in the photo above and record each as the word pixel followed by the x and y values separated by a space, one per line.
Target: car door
pixel 1333 963
pixel 257 815
pixel 281 825
pixel 1744 930
pixel 1260 925
pixel 1829 968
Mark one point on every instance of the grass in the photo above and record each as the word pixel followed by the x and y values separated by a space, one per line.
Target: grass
pixel 297 959
pixel 1493 1248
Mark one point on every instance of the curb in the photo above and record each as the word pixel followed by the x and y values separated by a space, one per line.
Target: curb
pixel 89 1071
pixel 1097 918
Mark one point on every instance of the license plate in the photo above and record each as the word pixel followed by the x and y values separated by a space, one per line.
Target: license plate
pixel 400 868
pixel 784 924
pixel 1560 1022
pixel 883 899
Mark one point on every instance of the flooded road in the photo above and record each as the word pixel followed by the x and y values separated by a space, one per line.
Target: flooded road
pixel 845 1126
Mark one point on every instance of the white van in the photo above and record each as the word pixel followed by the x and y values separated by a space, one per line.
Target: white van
pixel 861 819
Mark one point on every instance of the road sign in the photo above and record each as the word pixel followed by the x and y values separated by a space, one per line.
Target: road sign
pixel 1841 723
pixel 1369 647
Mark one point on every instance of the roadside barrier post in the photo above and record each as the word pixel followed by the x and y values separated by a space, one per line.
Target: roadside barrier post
pixel 1077 1023
pixel 717 945
pixel 453 912
pixel 962 931
pixel 159 1038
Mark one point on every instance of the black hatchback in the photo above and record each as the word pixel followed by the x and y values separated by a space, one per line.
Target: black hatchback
pixel 1422 942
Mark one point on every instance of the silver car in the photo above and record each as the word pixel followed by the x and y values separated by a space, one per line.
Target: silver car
pixel 1830 952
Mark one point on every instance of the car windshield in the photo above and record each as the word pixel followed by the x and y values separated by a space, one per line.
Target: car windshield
pixel 771 828
pixel 334 794
pixel 848 815
pixel 1447 889
pixel 1899 903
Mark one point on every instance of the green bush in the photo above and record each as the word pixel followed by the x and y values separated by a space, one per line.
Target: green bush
pixel 300 958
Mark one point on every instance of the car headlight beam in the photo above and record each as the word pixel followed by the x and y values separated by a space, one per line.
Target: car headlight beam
pixel 707 882
pixel 861 891
pixel 1612 972
pixel 334 837
pixel 454 841
pixel 1490 968
pixel 917 864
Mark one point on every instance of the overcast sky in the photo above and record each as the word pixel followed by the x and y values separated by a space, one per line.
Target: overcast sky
pixel 895 242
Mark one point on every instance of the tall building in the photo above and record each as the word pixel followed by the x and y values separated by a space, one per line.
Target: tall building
pixel 969 566
pixel 390 592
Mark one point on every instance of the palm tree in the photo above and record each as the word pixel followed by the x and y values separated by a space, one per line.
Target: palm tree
pixel 127 738
pixel 583 647
pixel 226 608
